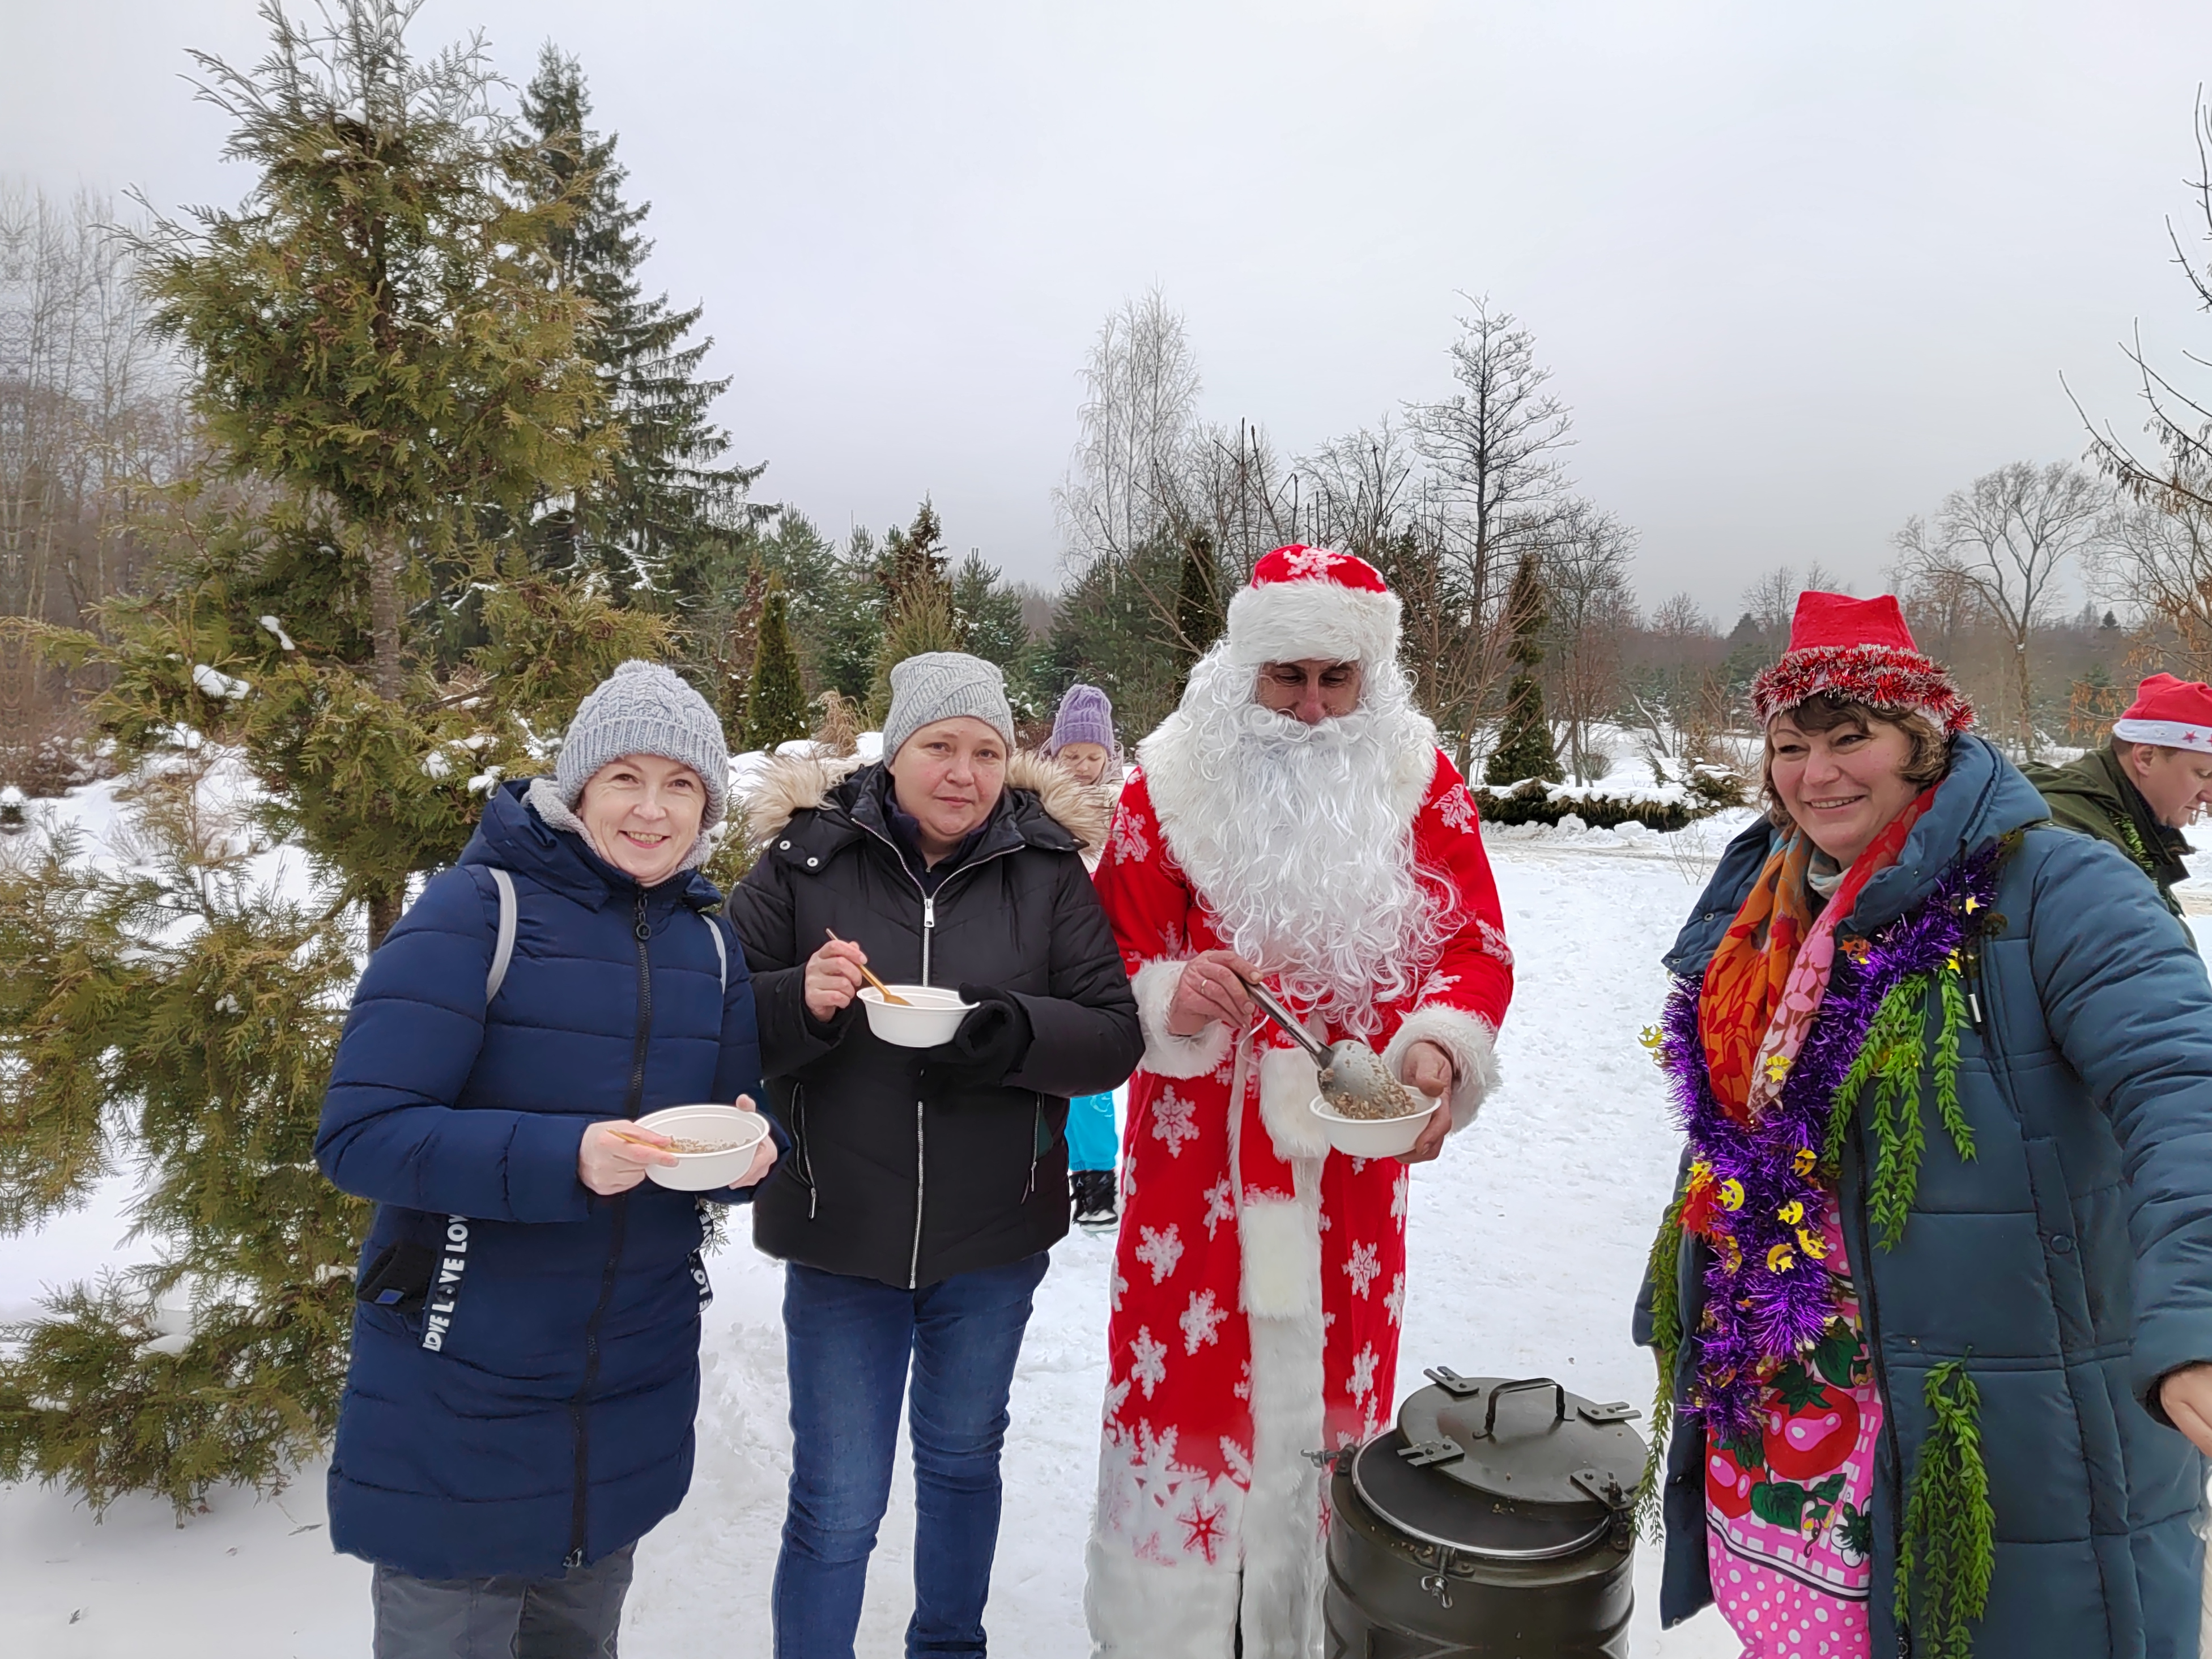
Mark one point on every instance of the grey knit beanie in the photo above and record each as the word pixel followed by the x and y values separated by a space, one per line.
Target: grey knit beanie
pixel 941 685
pixel 642 709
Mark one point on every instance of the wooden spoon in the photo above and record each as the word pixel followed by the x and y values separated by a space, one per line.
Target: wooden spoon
pixel 889 994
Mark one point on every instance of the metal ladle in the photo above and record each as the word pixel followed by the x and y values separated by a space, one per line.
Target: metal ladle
pixel 1353 1079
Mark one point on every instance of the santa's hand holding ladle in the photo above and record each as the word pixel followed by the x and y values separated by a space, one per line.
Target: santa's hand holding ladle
pixel 1217 985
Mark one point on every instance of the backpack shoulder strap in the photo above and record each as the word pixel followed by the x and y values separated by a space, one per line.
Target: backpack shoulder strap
pixel 722 951
pixel 503 951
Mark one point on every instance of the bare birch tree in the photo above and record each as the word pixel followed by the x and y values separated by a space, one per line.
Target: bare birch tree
pixel 2007 538
pixel 90 415
pixel 2156 556
pixel 1493 445
pixel 1771 601
pixel 1140 406
pixel 2177 471
pixel 1591 605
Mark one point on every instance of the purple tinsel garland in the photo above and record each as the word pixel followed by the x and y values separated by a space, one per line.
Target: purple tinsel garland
pixel 1756 1312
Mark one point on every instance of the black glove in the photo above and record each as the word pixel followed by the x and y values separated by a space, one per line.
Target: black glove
pixel 993 1040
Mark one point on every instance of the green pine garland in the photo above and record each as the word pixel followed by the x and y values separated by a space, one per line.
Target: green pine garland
pixel 1949 1526
pixel 1948 1547
pixel 1891 1059
pixel 1948 1550
pixel 1664 1270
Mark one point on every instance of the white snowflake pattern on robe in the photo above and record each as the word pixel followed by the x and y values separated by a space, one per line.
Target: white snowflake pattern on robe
pixel 1435 985
pixel 1220 1205
pixel 1398 1194
pixel 1456 807
pixel 1362 1264
pixel 1148 1361
pixel 1129 841
pixel 1493 941
pixel 1200 1319
pixel 1393 1299
pixel 1363 1373
pixel 1171 1115
pixel 1160 1249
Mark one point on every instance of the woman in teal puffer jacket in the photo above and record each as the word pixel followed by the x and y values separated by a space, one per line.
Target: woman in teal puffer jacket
pixel 1936 1289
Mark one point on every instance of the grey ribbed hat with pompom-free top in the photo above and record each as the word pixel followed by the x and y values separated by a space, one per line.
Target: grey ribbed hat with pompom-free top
pixel 943 685
pixel 642 709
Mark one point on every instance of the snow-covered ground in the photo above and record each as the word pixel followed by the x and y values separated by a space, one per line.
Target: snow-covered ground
pixel 1527 1239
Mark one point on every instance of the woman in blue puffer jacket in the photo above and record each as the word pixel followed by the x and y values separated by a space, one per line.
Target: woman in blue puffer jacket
pixel 526 1341
pixel 1933 1302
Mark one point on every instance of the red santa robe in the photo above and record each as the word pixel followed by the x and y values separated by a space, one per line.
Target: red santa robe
pixel 1260 1278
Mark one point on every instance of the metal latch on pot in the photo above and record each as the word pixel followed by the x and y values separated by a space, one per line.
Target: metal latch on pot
pixel 1607 1491
pixel 1422 1453
pixel 1613 1411
pixel 1452 1382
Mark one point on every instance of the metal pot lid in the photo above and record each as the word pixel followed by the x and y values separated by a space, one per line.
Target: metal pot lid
pixel 1509 1469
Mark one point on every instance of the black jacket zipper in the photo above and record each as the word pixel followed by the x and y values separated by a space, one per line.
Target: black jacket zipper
pixel 921 1130
pixel 579 1412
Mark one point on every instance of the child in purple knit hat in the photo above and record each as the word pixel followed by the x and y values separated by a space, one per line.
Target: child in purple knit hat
pixel 1081 741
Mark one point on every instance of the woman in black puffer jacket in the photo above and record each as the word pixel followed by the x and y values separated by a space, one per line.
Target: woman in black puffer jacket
pixel 924 1185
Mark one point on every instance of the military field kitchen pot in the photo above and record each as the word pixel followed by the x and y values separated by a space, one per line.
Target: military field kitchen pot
pixel 1492 1519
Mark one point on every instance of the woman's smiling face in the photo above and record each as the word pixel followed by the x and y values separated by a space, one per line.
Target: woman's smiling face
pixel 1842 787
pixel 642 812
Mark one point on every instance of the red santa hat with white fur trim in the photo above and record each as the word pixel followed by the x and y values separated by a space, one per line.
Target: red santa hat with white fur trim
pixel 2170 714
pixel 1311 602
pixel 1858 650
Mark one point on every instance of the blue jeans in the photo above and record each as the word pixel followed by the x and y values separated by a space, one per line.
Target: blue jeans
pixel 1091 1142
pixel 847 1341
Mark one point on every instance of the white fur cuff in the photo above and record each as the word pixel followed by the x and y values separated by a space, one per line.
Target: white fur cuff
pixel 1470 1041
pixel 1288 1084
pixel 1140 1609
pixel 1280 1241
pixel 1167 1055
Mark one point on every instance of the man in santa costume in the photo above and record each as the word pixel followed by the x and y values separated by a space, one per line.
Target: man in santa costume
pixel 2138 791
pixel 1292 821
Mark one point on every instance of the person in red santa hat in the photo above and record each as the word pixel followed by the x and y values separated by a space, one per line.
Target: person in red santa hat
pixel 2137 791
pixel 1293 821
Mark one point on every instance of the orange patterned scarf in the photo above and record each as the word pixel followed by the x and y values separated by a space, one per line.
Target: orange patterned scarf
pixel 1764 986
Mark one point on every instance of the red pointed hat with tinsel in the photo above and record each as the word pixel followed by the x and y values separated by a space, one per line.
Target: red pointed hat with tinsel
pixel 1860 649
pixel 2170 714
pixel 1309 601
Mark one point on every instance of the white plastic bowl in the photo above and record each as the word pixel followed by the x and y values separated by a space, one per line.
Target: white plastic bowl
pixel 935 1016
pixel 1371 1137
pixel 733 1134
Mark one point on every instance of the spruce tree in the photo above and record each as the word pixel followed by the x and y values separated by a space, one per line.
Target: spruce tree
pixel 988 610
pixel 924 621
pixel 664 516
pixel 836 603
pixel 914 559
pixel 775 699
pixel 1524 737
pixel 381 337
pixel 386 367
pixel 918 609
pixel 1111 630
pixel 1200 615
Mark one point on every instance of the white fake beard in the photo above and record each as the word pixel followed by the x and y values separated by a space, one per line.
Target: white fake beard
pixel 1302 850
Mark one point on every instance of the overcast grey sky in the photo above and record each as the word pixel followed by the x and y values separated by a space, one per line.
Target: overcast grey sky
pixel 1799 269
